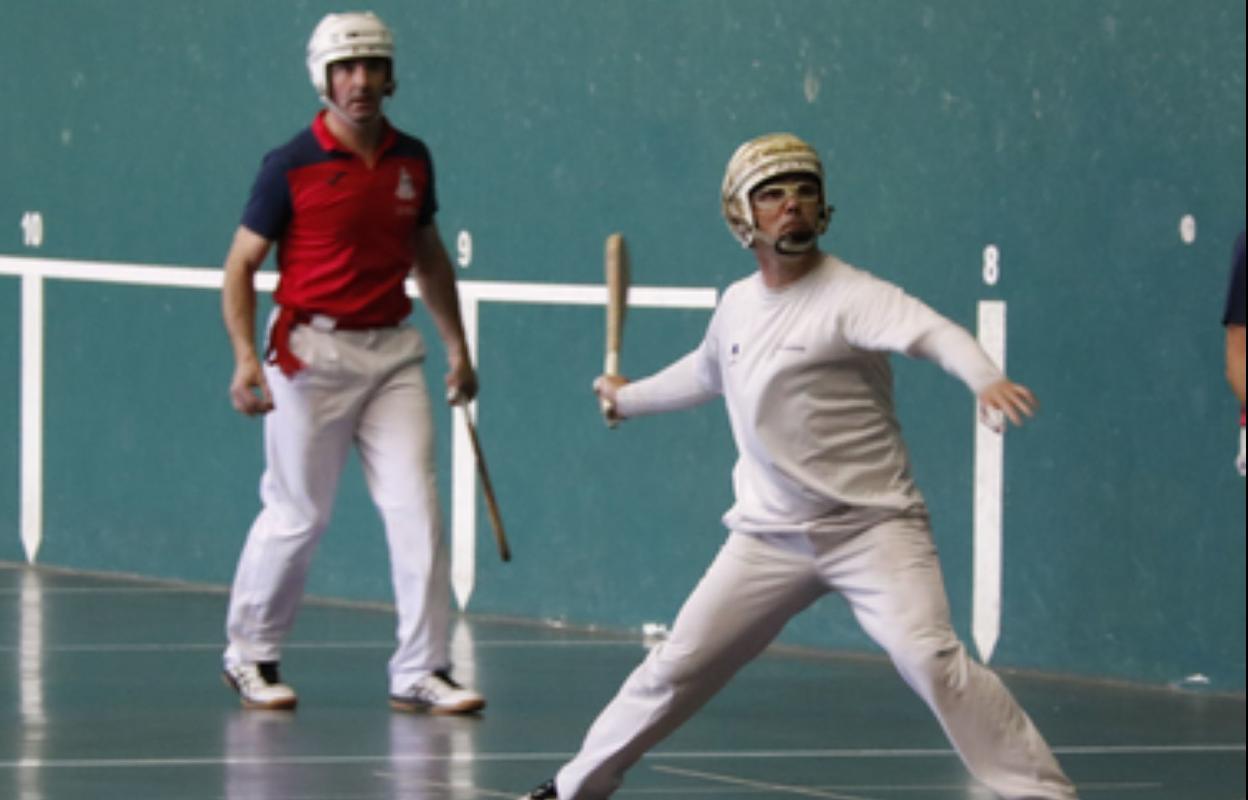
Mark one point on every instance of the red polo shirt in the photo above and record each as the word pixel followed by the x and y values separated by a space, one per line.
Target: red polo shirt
pixel 344 231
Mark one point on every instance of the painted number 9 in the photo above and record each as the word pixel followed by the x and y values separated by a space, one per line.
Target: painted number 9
pixel 463 247
pixel 32 229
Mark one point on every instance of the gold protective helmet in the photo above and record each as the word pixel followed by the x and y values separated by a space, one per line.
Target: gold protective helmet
pixel 759 160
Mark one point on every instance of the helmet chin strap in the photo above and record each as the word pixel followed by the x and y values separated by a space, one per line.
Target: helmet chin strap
pixel 789 244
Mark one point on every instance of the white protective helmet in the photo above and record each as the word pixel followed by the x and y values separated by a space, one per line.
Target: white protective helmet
pixel 338 37
pixel 759 160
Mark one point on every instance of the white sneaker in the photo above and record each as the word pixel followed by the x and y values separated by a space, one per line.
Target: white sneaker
pixel 259 685
pixel 438 693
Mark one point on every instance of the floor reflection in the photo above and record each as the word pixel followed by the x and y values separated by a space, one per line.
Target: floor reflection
pixel 30 687
pixel 259 746
pixel 432 757
pixel 269 755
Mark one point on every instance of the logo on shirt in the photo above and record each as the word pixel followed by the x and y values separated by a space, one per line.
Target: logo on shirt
pixel 406 189
pixel 734 352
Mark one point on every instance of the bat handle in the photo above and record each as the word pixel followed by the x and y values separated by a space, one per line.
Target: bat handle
pixel 611 366
pixel 607 407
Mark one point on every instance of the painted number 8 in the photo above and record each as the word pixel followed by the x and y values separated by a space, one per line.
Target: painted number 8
pixel 992 265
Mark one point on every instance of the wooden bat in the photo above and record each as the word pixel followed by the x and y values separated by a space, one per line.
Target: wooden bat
pixel 496 520
pixel 617 277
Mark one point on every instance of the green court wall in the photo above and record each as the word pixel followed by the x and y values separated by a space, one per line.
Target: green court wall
pixel 1072 135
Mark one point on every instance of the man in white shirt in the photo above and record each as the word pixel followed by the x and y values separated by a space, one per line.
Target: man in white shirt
pixel 824 497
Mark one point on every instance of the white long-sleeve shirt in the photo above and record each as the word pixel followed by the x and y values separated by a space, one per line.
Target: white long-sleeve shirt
pixel 805 374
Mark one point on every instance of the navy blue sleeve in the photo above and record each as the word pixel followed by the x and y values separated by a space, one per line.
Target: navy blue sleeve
pixel 410 148
pixel 268 208
pixel 1234 312
pixel 430 206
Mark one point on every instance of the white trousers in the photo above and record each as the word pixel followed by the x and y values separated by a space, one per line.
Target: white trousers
pixel 364 389
pixel 890 575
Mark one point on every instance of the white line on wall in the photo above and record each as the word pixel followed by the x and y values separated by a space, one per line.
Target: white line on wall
pixel 31 515
pixel 464 477
pixel 989 463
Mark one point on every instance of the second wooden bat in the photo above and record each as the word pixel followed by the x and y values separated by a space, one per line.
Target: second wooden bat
pixel 487 489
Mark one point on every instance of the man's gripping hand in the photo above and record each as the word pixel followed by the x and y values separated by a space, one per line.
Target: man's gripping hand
pixel 461 382
pixel 606 387
pixel 1006 399
pixel 249 391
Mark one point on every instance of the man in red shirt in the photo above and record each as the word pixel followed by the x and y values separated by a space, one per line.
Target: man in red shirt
pixel 350 203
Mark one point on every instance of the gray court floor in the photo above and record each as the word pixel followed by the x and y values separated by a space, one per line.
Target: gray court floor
pixel 109 688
